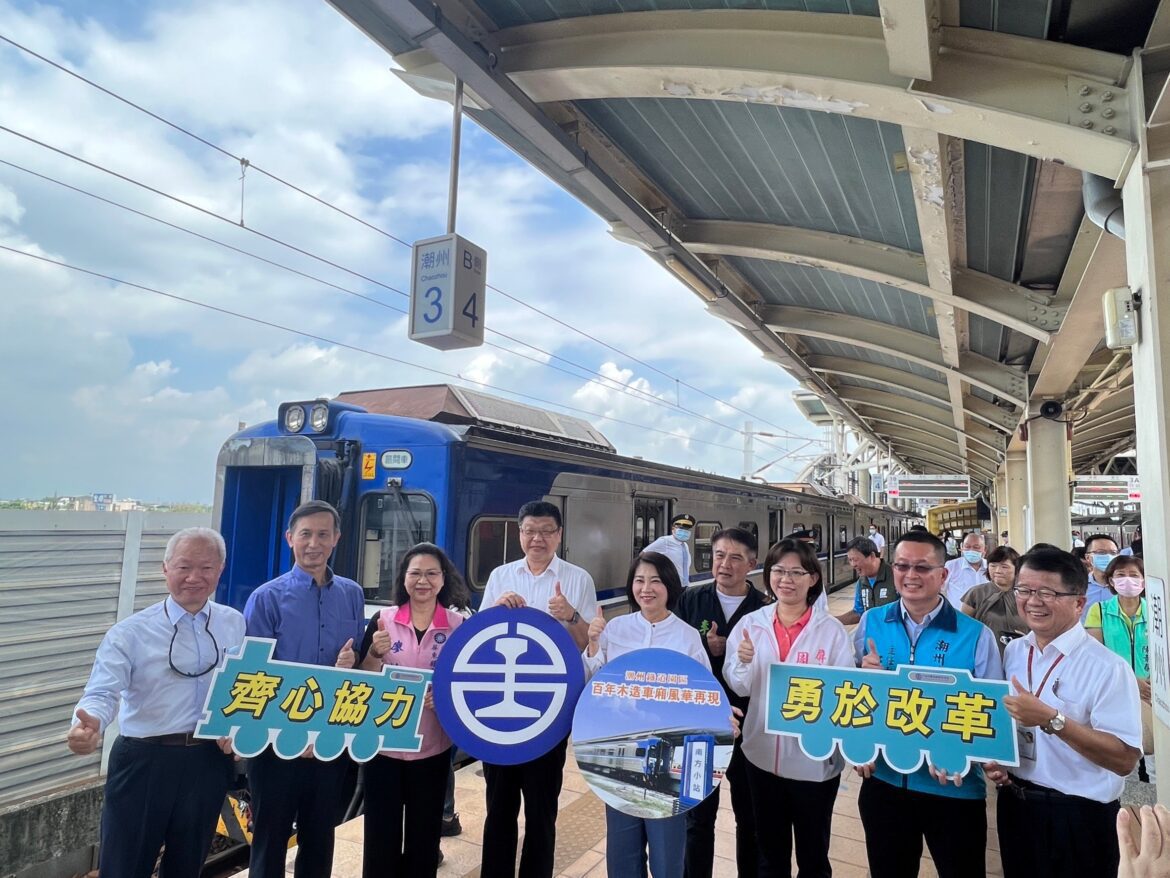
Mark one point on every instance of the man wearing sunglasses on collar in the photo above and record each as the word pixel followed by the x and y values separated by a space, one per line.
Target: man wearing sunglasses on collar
pixel 163 787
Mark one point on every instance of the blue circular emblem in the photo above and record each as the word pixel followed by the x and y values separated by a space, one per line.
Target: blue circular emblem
pixel 506 684
pixel 440 637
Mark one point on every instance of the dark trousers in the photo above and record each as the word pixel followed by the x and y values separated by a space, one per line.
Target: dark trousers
pixel 404 815
pixel 159 795
pixel 788 808
pixel 307 791
pixel 897 820
pixel 1050 834
pixel 539 782
pixel 700 855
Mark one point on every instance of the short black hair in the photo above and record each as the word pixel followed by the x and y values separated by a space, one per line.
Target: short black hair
pixel 540 509
pixel 739 535
pixel 864 545
pixel 808 560
pixel 1000 554
pixel 454 591
pixel 1072 571
pixel 1089 540
pixel 926 538
pixel 313 507
pixel 667 572
pixel 919 528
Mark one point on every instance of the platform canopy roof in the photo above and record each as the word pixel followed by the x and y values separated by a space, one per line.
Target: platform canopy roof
pixel 884 197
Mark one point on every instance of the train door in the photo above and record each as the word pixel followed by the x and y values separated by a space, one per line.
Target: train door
pixel 775 524
pixel 649 521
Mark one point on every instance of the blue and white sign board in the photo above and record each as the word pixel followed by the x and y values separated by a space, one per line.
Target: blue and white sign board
pixel 942 715
pixel 256 700
pixel 506 684
pixel 652 733
pixel 447 287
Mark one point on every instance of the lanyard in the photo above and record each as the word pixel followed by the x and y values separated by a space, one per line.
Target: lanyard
pixel 1044 681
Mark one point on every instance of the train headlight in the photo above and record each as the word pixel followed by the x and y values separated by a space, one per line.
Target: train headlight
pixel 294 418
pixel 319 418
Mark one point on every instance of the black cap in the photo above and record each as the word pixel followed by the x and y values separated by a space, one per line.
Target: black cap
pixel 683 520
pixel 803 535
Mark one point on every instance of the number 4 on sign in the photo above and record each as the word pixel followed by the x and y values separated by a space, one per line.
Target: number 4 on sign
pixel 469 310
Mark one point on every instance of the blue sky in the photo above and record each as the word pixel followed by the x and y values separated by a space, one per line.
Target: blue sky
pixel 124 391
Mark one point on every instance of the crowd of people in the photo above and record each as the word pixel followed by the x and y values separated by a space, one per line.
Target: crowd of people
pixel 1069 635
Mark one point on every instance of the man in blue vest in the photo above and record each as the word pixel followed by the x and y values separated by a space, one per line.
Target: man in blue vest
pixel 899 810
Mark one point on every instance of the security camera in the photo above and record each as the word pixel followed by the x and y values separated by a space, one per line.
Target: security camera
pixel 1051 409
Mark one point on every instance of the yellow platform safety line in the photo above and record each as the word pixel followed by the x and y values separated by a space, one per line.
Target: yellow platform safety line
pixel 233 822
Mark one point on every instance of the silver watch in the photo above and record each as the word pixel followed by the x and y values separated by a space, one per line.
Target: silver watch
pixel 1055 724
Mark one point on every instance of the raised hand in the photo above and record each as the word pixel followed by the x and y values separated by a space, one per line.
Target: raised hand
pixel 716 644
pixel 870 659
pixel 595 628
pixel 84 737
pixel 380 644
pixel 1026 709
pixel 746 651
pixel 346 657
pixel 559 606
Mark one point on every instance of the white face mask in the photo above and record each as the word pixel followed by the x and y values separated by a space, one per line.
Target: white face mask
pixel 682 533
pixel 1128 586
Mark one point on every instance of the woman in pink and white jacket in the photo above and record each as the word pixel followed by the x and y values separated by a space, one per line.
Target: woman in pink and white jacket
pixel 792 795
pixel 409 787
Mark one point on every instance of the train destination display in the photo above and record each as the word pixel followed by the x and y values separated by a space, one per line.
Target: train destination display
pixel 652 733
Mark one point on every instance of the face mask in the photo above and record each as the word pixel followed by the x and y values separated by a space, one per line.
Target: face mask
pixel 873 530
pixel 972 557
pixel 1101 562
pixel 681 533
pixel 1128 586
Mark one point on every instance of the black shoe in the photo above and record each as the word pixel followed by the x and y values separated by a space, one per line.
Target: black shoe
pixel 451 827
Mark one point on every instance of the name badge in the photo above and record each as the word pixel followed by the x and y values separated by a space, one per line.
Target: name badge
pixel 1027 741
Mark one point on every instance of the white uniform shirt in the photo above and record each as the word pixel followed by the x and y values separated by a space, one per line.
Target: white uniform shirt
pixel 879 541
pixel 537 591
pixel 132 668
pixel 678 552
pixel 1091 685
pixel 626 633
pixel 961 578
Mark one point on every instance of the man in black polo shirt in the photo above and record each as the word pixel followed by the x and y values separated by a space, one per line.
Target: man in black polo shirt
pixel 714 609
pixel 875 579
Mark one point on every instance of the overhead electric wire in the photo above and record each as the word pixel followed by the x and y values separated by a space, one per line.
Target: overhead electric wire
pixel 347 346
pixel 613 385
pixel 248 164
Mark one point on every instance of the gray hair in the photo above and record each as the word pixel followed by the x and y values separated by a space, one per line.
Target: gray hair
pixel 196 533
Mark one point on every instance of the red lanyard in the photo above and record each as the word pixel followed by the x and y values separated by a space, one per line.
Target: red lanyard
pixel 1044 681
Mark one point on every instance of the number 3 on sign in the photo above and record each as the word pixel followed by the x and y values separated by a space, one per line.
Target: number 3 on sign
pixel 470 312
pixel 434 297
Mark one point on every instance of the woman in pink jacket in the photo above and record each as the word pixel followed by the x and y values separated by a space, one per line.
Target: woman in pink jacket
pixel 404 791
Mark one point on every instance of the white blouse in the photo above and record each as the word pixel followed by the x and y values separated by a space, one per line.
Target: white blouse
pixel 626 633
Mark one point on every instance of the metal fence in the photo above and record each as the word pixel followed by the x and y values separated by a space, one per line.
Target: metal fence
pixel 65 578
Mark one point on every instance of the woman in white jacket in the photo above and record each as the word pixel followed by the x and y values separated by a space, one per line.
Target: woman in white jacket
pixel 792 795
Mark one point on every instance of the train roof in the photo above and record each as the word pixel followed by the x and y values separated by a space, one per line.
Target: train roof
pixel 447 404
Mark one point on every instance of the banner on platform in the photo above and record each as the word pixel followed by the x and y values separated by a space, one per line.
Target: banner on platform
pixel 942 716
pixel 255 700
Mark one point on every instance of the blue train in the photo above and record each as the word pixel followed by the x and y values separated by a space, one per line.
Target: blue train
pixel 453 466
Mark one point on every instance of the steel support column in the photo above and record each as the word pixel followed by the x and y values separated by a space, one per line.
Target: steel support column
pixel 1049 461
pixel 1016 501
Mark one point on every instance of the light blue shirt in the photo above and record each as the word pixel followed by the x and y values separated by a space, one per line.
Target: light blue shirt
pixel 1095 595
pixel 132 672
pixel 988 665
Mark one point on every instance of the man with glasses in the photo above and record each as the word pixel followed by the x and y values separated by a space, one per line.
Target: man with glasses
pixel 544 582
pixel 875 579
pixel 312 615
pixel 1078 712
pixel 899 810
pixel 164 788
pixel 968 570
pixel 714 609
pixel 1100 550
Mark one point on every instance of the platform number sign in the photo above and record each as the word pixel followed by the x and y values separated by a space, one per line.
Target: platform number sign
pixel 448 283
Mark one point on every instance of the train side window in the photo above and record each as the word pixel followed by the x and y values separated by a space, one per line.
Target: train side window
pixel 704 530
pixel 494 541
pixel 843 536
pixel 392 523
pixel 640 531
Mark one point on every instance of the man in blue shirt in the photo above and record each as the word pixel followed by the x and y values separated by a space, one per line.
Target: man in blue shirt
pixel 312 615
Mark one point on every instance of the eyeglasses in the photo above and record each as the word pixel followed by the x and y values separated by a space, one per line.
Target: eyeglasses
pixel 780 573
pixel 214 652
pixel 1045 594
pixel 921 569
pixel 416 575
pixel 532 533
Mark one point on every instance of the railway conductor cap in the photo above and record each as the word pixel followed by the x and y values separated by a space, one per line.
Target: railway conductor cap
pixel 683 520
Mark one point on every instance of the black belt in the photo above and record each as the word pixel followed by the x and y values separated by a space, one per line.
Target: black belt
pixel 178 739
pixel 1025 789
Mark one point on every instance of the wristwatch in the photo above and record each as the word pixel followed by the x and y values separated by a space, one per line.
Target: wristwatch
pixel 576 618
pixel 1056 724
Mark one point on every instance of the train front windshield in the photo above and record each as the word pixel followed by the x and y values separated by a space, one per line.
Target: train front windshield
pixel 393 523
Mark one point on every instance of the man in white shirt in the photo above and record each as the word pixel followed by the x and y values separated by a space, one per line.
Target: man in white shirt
pixel 968 570
pixel 1079 716
pixel 878 540
pixel 674 546
pixel 164 788
pixel 566 592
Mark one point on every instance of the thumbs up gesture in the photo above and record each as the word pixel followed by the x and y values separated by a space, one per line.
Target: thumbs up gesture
pixel 716 643
pixel 746 651
pixel 346 658
pixel 596 626
pixel 871 659
pixel 380 645
pixel 559 606
pixel 84 737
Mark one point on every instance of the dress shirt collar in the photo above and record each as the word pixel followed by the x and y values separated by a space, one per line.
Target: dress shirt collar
pixel 1065 643
pixel 554 567
pixel 299 576
pixel 175 612
pixel 898 612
